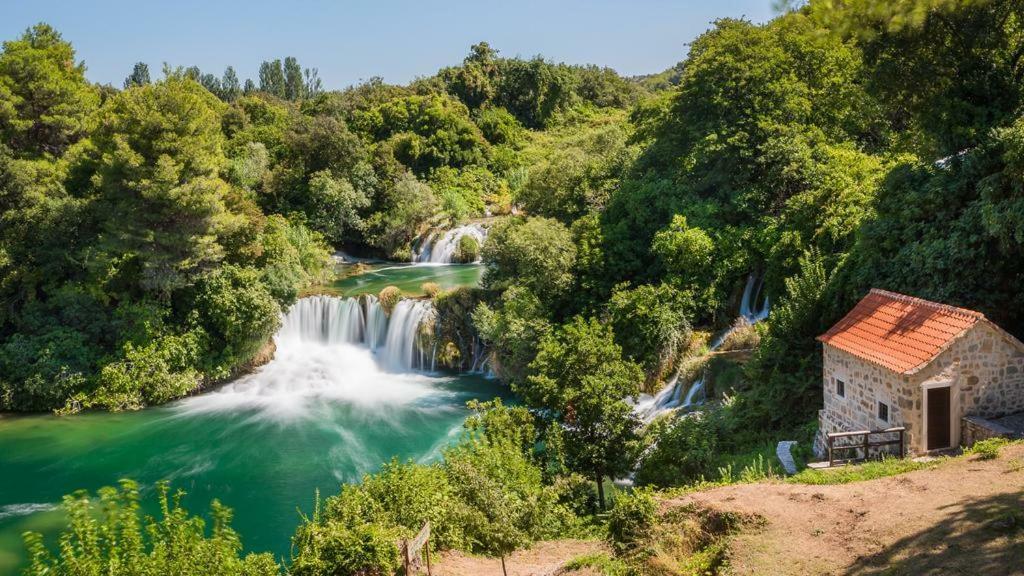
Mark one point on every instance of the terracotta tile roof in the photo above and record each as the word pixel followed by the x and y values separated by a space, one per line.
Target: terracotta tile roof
pixel 899 332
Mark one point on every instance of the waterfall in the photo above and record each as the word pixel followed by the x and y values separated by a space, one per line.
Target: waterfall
pixel 403 347
pixel 671 395
pixel 441 250
pixel 337 348
pixel 376 323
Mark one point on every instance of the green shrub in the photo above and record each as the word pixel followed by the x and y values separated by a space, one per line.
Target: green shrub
pixel 987 449
pixel 602 563
pixel 239 314
pixel 333 549
pixel 389 298
pixel 152 374
pixel 683 449
pixel 632 518
pixel 468 250
pixel 109 537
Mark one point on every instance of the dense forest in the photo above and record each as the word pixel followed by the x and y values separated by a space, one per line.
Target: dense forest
pixel 151 235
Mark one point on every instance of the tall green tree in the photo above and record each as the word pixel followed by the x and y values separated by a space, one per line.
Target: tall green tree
pixel 580 380
pixel 45 100
pixel 230 88
pixel 294 85
pixel 272 80
pixel 155 164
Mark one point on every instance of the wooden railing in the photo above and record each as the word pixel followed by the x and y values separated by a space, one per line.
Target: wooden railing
pixel 868 439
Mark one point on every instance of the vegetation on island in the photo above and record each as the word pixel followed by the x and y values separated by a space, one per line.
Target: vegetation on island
pixel 150 236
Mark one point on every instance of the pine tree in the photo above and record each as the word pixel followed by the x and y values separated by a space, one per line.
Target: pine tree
pixel 139 75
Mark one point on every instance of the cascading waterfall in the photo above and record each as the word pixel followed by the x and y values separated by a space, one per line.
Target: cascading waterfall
pixel 753 309
pixel 440 249
pixel 338 348
pixel 411 323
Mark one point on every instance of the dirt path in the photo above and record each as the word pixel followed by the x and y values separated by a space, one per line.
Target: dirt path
pixel 543 559
pixel 963 517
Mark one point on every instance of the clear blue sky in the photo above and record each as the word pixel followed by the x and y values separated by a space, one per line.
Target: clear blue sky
pixel 355 40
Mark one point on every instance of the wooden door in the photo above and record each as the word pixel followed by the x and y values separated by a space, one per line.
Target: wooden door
pixel 939 418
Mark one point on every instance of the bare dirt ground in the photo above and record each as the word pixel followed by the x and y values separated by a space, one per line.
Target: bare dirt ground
pixel 543 559
pixel 962 517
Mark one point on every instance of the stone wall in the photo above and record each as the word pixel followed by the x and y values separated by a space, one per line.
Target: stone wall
pixel 990 372
pixel 974 429
pixel 866 384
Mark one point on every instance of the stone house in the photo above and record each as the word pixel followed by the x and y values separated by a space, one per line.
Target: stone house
pixel 896 360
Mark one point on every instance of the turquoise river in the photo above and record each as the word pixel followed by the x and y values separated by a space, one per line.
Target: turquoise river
pixel 346 391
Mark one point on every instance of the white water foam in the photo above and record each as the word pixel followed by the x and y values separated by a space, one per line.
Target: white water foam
pixel 24 509
pixel 335 350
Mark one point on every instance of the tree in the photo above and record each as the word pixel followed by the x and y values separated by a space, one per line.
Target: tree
pixel 272 79
pixel 139 75
pixel 294 85
pixel 230 89
pixel 580 380
pixel 536 253
pixel 155 162
pixel 650 323
pixel 45 100
pixel 313 86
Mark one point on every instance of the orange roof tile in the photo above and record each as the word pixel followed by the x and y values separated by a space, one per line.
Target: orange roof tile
pixel 899 332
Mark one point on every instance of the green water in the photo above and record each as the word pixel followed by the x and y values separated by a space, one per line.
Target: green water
pixel 319 415
pixel 407 277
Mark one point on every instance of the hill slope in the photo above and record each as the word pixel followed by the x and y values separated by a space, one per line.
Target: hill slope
pixel 965 516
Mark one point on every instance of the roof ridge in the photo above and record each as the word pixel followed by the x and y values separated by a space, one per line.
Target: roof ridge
pixel 929 303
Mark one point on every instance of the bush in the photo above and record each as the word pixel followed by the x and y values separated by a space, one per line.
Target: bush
pixel 430 289
pixel 333 548
pixel 987 449
pixel 468 250
pixel 239 314
pixel 109 537
pixel 389 298
pixel 152 374
pixel 632 518
pixel 683 449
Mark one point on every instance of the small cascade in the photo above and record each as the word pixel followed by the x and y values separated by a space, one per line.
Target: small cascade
pixel 749 307
pixel 410 325
pixel 440 248
pixel 671 395
pixel 323 319
pixel 376 323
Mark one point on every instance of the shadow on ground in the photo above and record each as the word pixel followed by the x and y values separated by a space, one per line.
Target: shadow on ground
pixel 979 537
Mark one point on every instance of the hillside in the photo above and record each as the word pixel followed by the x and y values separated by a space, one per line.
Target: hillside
pixel 963 516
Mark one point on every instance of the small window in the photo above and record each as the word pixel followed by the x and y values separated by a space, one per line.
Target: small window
pixel 840 388
pixel 883 411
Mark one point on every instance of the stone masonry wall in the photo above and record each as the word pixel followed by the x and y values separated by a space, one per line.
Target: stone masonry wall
pixel 866 384
pixel 990 372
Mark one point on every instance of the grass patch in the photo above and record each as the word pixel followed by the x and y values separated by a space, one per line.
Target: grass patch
pixel 861 472
pixel 987 449
pixel 604 563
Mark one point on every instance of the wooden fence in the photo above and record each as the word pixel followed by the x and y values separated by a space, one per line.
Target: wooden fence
pixel 415 550
pixel 868 439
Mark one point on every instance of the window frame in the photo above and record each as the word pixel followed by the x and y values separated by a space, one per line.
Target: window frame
pixel 840 387
pixel 879 405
